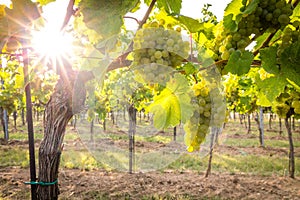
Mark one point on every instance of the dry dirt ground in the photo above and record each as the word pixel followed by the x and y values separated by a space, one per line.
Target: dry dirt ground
pixel 76 184
pixel 100 184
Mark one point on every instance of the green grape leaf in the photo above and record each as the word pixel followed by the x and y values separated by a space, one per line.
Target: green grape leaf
pixel 263 100
pixel 168 18
pixel 239 62
pixel 290 57
pixel 180 87
pixel 191 24
pixel 147 2
pixel 251 7
pixel 233 8
pixel 22 14
pixel 172 105
pixel 229 23
pixel 106 18
pixel 272 87
pixel 268 58
pixel 44 2
pixel 19 83
pixel 296 12
pixel 173 6
pixel 189 68
pixel 166 109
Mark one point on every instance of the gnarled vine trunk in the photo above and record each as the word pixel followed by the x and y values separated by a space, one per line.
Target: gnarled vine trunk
pixel 59 110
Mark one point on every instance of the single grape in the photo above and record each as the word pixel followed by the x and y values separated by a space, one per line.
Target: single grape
pixel 283 19
pixel 158 54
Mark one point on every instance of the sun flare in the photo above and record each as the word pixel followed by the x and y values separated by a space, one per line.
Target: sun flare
pixel 49 41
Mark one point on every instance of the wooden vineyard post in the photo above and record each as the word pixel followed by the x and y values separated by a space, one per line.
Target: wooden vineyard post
pixel 29 125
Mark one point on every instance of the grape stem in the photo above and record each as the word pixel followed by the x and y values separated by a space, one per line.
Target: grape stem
pixel 69 13
pixel 265 43
pixel 296 3
pixel 135 19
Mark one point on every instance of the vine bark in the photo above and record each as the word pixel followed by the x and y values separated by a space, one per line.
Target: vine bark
pixel 59 110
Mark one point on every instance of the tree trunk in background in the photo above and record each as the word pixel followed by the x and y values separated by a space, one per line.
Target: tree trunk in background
pixel 215 132
pixel 270 121
pixel 261 127
pixel 74 121
pixel 5 124
pixel 174 133
pixel 131 134
pixel 280 127
pixel 260 123
pixel 59 110
pixel 293 124
pixel 291 150
pixel 92 130
pixel 15 116
pixel 249 124
pixel 112 117
pixel 104 124
pixel 23 116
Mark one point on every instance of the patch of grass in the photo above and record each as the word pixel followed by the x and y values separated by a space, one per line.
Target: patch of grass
pixel 14 157
pixel 24 136
pixel 263 165
pixel 155 138
pixel 254 142
pixel 281 143
pixel 79 160
pixel 71 136
pixel 249 142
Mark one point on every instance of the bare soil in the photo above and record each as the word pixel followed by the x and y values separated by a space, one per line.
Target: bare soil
pixel 170 184
pixel 76 184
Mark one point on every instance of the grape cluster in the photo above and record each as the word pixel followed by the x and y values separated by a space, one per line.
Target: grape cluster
pixel 154 47
pixel 288 103
pixel 281 109
pixel 296 105
pixel 209 110
pixel 290 35
pixel 267 14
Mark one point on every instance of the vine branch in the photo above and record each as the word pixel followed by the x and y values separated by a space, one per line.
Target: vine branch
pixel 265 43
pixel 135 19
pixel 69 13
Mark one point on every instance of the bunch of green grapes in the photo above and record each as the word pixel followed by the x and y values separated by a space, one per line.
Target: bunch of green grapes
pixel 295 102
pixel 287 103
pixel 267 14
pixel 154 47
pixel 209 110
pixel 281 109
pixel 290 35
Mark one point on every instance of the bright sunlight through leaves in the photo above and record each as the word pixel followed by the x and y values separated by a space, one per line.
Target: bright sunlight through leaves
pixel 50 42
